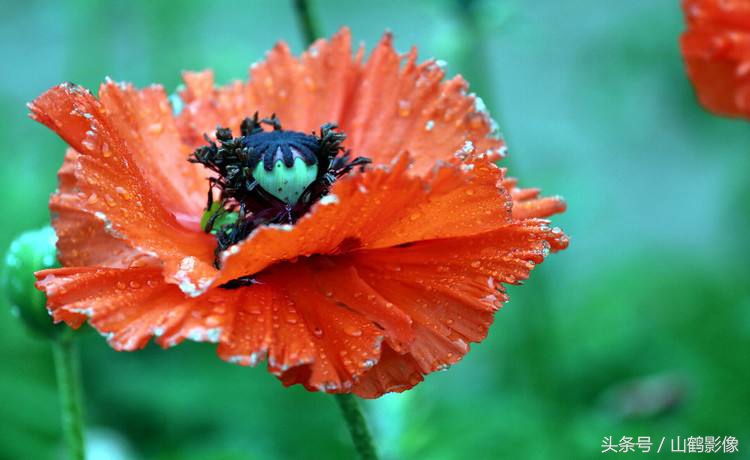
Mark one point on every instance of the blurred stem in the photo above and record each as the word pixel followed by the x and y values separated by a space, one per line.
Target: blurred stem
pixel 473 53
pixel 69 387
pixel 473 57
pixel 310 27
pixel 357 426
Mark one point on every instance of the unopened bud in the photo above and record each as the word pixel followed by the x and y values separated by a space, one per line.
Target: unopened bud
pixel 30 252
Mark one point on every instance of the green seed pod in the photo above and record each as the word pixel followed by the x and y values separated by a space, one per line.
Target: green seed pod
pixel 30 252
pixel 286 184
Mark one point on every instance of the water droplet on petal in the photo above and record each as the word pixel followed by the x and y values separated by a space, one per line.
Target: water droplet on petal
pixel 353 331
pixel 404 108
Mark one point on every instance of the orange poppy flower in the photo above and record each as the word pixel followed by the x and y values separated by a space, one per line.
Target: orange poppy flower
pixel 388 275
pixel 716 48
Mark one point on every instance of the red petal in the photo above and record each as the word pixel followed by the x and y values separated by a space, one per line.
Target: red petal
pixel 144 120
pixel 412 109
pixel 528 204
pixel 82 238
pixel 307 335
pixel 308 91
pixel 114 189
pixel 342 282
pixel 303 92
pixel 450 289
pixel 131 305
pixel 384 109
pixel 716 47
pixel 393 373
pixel 207 107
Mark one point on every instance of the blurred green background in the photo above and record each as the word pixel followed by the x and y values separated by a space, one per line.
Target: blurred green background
pixel 640 328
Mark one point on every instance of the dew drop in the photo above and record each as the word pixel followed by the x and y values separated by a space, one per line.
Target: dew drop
pixel 88 144
pixel 123 193
pixel 353 331
pixel 404 108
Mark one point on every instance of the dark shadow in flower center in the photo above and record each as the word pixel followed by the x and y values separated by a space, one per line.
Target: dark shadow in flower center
pixel 267 177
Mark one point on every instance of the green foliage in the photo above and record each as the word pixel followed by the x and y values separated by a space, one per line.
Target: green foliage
pixel 641 328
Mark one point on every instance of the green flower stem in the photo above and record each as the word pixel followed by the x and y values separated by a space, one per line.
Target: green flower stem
pixel 357 426
pixel 310 27
pixel 69 387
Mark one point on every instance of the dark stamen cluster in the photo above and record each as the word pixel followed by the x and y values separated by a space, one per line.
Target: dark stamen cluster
pixel 240 195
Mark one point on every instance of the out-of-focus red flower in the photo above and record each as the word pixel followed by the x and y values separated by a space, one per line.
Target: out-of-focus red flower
pixel 716 48
pixel 387 278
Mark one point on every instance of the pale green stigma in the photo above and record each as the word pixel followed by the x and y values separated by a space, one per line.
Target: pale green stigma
pixel 286 184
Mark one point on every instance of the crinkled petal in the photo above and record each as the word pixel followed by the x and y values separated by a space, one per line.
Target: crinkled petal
pixel 143 118
pixel 410 108
pixel 528 203
pixel 450 289
pixel 309 91
pixel 206 107
pixel 385 108
pixel 303 92
pixel 82 239
pixel 114 189
pixel 309 335
pixel 393 373
pixel 131 305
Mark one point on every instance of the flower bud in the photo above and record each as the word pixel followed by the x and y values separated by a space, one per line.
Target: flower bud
pixel 29 252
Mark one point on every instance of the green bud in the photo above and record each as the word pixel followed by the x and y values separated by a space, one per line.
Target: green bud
pixel 286 184
pixel 30 252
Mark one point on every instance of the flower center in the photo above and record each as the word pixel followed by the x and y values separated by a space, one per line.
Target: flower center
pixel 267 177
